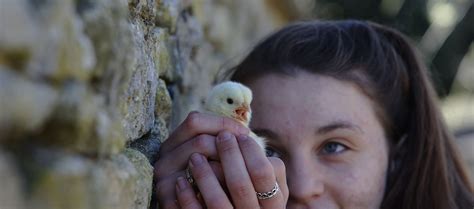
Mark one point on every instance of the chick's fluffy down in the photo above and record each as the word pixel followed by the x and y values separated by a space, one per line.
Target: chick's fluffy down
pixel 232 100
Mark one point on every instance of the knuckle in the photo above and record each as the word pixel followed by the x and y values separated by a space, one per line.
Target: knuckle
pixel 201 142
pixel 262 172
pixel 240 190
pixel 248 144
pixel 229 124
pixel 168 205
pixel 161 189
pixel 227 147
pixel 188 202
pixel 216 203
pixel 160 169
pixel 192 120
pixel 201 172
pixel 157 171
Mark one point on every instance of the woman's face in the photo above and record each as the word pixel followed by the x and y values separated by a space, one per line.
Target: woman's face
pixel 327 133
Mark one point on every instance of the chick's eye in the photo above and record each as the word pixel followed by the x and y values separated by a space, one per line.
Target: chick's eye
pixel 230 101
pixel 334 148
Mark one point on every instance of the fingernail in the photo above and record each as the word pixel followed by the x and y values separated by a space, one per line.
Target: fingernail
pixel 182 184
pixel 196 159
pixel 224 136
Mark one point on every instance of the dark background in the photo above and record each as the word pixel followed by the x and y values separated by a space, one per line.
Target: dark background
pixel 442 30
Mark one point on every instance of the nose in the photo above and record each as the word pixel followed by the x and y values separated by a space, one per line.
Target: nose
pixel 305 183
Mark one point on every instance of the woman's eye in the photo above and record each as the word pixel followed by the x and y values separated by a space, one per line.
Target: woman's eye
pixel 334 148
pixel 270 152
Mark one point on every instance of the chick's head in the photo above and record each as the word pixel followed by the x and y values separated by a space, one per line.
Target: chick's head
pixel 232 100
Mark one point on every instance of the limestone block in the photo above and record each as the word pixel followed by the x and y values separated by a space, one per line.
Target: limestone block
pixel 123 182
pixel 167 14
pixel 195 77
pixel 62 50
pixel 144 9
pixel 159 49
pixel 149 144
pixel 143 181
pixel 140 96
pixel 25 105
pixel 11 194
pixel 17 34
pixel 232 27
pixel 62 180
pixel 202 10
pixel 163 102
pixel 106 24
pixel 81 123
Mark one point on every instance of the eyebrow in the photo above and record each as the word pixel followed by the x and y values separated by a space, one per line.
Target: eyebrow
pixel 341 124
pixel 338 125
pixel 266 133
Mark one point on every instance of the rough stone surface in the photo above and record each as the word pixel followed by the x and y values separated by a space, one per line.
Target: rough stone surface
pixel 11 194
pixel 167 14
pixel 140 96
pixel 159 50
pixel 25 104
pixel 81 123
pixel 89 89
pixel 16 43
pixel 60 181
pixel 61 50
pixel 64 180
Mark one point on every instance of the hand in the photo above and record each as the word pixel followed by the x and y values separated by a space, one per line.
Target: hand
pixel 195 135
pixel 245 170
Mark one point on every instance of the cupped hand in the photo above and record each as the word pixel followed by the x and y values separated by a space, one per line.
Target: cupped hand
pixel 196 134
pixel 243 170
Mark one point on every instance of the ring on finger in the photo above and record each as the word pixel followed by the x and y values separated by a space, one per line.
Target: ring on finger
pixel 269 194
pixel 189 177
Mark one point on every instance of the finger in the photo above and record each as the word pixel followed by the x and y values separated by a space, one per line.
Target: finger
pixel 280 172
pixel 212 193
pixel 200 123
pixel 164 186
pixel 236 175
pixel 169 205
pixel 261 172
pixel 177 159
pixel 186 196
pixel 217 169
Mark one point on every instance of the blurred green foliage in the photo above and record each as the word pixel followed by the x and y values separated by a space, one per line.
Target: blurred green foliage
pixel 442 29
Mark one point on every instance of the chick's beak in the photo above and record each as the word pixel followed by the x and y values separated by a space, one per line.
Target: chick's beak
pixel 241 113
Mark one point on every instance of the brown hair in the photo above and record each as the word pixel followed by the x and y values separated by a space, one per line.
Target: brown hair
pixel 425 169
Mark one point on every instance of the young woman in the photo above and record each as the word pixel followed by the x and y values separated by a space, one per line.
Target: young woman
pixel 350 119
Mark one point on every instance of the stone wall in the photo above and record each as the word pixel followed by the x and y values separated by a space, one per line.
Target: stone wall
pixel 90 88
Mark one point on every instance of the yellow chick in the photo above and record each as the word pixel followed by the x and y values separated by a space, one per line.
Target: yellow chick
pixel 232 99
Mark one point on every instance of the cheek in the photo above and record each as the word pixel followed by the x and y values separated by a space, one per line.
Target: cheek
pixel 362 184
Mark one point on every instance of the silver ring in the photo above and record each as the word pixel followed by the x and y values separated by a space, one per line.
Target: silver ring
pixel 270 194
pixel 189 177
